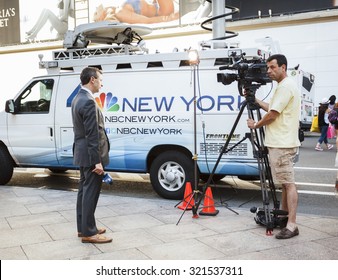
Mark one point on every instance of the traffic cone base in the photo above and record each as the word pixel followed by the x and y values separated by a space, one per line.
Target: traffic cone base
pixel 188 200
pixel 208 205
pixel 208 213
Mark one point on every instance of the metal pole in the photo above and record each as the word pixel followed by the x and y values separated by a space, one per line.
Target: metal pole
pixel 195 131
pixel 218 25
pixel 195 156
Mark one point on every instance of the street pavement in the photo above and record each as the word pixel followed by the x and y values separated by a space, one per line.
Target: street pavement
pixel 39 224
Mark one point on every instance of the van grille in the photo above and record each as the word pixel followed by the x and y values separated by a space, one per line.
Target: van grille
pixel 215 149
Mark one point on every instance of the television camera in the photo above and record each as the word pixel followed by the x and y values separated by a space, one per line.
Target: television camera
pixel 251 74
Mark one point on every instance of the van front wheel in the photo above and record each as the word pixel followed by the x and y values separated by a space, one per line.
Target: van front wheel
pixel 6 166
pixel 169 172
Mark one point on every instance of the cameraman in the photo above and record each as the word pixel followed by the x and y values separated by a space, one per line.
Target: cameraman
pixel 281 136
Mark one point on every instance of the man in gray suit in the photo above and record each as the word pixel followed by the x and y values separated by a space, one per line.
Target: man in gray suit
pixel 91 148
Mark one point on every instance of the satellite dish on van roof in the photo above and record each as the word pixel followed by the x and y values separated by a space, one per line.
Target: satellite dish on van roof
pixel 104 32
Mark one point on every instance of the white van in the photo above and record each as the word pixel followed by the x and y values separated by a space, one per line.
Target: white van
pixel 306 84
pixel 148 104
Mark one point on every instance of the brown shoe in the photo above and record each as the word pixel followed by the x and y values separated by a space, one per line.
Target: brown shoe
pixel 286 233
pixel 97 238
pixel 99 231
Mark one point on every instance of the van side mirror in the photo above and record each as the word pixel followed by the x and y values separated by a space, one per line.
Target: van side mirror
pixel 10 106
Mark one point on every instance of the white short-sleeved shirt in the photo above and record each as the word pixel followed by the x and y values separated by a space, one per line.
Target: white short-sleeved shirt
pixel 283 132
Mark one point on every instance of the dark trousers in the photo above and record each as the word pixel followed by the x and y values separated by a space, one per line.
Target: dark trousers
pixel 87 198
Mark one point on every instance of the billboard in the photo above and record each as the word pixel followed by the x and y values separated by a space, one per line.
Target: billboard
pixel 46 19
pixel 9 22
pixel 266 8
pixel 23 21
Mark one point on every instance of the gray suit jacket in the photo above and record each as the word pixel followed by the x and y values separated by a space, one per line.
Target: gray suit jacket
pixel 91 144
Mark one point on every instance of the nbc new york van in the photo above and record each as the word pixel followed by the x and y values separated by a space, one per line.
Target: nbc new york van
pixel 161 113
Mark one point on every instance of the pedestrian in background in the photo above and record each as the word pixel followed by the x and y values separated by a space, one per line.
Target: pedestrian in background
pixel 331 129
pixel 91 148
pixel 323 123
pixel 336 161
pixel 281 137
pixel 332 101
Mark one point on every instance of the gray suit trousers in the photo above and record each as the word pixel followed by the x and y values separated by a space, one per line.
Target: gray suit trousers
pixel 87 198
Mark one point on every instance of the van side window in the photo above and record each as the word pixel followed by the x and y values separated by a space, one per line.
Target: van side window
pixel 36 97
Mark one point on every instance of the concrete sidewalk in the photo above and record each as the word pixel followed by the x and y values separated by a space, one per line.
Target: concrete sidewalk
pixel 39 224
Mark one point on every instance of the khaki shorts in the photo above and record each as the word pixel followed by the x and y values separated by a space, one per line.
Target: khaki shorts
pixel 281 163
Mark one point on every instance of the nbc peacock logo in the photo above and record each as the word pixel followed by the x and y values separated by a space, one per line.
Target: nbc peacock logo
pixel 107 102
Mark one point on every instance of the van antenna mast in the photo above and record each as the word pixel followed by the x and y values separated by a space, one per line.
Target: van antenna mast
pixel 218 20
pixel 218 25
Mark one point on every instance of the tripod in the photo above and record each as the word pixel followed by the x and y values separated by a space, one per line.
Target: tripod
pixel 266 216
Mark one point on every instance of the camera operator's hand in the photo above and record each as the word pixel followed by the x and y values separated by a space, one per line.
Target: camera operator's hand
pixel 251 123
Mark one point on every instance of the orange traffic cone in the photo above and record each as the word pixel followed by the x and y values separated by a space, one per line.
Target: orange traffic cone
pixel 188 200
pixel 208 204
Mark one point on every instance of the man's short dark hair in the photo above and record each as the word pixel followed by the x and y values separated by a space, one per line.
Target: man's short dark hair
pixel 280 58
pixel 87 73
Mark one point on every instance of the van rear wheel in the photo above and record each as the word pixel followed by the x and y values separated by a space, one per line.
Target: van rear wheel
pixel 169 172
pixel 6 166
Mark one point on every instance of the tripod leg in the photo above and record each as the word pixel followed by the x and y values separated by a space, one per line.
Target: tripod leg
pixel 261 153
pixel 185 209
pixel 224 148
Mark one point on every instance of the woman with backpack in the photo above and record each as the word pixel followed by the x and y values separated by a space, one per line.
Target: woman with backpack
pixel 323 123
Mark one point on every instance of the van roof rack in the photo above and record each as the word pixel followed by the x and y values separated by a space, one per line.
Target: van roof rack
pixel 124 39
pixel 104 32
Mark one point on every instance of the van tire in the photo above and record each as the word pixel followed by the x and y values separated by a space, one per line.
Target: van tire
pixel 169 172
pixel 6 166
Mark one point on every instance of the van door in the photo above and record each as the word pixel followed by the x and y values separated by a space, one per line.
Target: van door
pixel 68 87
pixel 31 127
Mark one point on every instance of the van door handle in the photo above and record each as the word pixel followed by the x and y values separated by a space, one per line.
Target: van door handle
pixel 51 132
